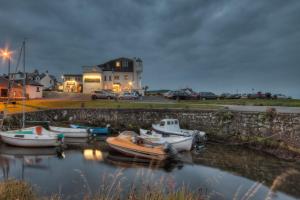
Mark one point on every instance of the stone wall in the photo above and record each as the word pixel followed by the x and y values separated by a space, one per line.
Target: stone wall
pixel 279 126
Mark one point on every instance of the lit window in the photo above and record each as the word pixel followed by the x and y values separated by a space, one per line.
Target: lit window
pixel 116 77
pixel 126 77
pixel 118 64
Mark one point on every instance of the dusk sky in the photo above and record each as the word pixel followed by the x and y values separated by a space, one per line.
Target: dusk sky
pixel 209 45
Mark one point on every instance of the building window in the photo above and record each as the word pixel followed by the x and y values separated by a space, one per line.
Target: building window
pixel 116 77
pixel 126 77
pixel 104 78
pixel 125 63
pixel 109 78
pixel 4 92
pixel 92 80
pixel 37 89
pixel 118 64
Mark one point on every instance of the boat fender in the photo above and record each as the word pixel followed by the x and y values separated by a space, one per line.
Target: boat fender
pixel 38 130
pixel 133 140
pixel 60 137
pixel 168 148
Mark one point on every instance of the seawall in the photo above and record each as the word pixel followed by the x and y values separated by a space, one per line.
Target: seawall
pixel 277 133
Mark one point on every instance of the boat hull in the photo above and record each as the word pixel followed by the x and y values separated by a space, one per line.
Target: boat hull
pixel 26 142
pixel 95 131
pixel 70 132
pixel 180 143
pixel 124 145
pixel 132 153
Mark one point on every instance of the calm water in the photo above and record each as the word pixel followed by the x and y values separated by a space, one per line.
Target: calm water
pixel 221 172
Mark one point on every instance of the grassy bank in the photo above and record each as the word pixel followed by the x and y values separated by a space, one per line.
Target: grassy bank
pixel 13 189
pixel 252 102
pixel 35 105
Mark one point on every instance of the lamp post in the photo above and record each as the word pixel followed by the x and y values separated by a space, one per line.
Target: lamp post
pixel 6 55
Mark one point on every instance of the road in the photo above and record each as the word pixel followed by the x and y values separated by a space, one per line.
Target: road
pixel 280 109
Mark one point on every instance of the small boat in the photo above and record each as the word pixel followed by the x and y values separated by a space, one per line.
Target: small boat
pixel 70 132
pixel 95 131
pixel 180 143
pixel 129 144
pixel 35 136
pixel 170 127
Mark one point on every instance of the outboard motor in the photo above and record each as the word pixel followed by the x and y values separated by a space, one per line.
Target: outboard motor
pixel 168 148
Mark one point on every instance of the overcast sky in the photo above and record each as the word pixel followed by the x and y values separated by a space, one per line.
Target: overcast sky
pixel 209 45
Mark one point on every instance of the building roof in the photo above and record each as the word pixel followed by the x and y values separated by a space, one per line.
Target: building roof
pixel 126 65
pixel 29 82
pixel 77 75
pixel 4 83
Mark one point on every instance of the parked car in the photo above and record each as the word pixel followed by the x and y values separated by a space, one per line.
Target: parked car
pixel 207 95
pixel 225 96
pixel 178 95
pixel 280 96
pixel 190 94
pixel 129 96
pixel 231 96
pixel 103 95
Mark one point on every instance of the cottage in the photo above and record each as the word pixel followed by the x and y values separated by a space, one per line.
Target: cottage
pixel 34 90
pixel 48 81
pixel 45 79
pixel 15 89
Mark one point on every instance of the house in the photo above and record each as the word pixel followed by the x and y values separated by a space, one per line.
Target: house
pixel 48 81
pixel 34 90
pixel 72 83
pixel 16 91
pixel 45 79
pixel 117 75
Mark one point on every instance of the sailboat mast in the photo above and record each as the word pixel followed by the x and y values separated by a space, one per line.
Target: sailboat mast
pixel 24 86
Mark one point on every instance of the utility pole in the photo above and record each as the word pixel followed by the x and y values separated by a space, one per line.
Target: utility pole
pixel 24 86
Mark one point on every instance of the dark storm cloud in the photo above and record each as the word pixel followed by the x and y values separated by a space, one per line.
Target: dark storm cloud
pixel 208 45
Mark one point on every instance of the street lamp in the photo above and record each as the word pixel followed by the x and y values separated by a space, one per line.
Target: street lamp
pixel 6 55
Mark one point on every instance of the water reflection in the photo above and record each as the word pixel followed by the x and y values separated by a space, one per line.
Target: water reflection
pixel 221 170
pixel 93 154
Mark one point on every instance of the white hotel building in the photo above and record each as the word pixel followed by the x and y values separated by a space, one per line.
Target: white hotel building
pixel 118 75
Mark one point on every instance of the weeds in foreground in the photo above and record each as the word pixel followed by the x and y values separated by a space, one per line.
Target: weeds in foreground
pixel 145 186
pixel 13 189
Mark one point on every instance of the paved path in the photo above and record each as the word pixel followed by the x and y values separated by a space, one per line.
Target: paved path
pixel 280 109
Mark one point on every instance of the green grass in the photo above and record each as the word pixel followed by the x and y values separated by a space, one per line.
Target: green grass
pixel 251 102
pixel 35 105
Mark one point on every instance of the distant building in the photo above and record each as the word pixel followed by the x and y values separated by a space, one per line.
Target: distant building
pixel 15 89
pixel 33 89
pixel 72 83
pixel 118 75
pixel 45 79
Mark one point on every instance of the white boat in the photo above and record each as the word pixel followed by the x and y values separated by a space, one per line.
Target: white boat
pixel 70 132
pixel 30 137
pixel 170 127
pixel 180 143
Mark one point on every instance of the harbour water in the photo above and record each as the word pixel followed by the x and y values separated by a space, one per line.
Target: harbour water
pixel 217 171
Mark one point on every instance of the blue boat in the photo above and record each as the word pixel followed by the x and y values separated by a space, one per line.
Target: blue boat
pixel 95 131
